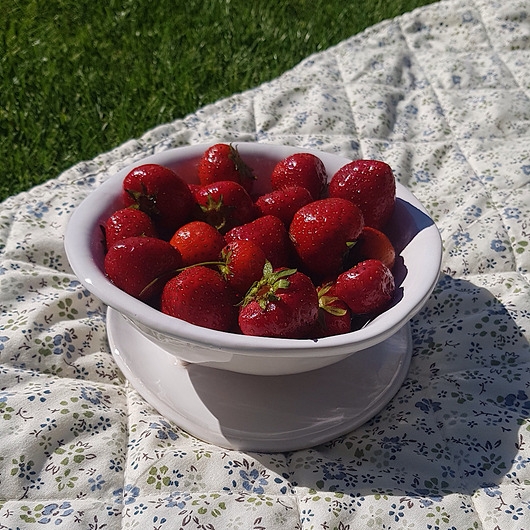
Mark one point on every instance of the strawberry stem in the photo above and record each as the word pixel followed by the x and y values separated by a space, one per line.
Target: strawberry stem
pixel 245 171
pixel 204 263
pixel 325 301
pixel 174 272
pixel 264 290
pixel 215 212
pixel 143 201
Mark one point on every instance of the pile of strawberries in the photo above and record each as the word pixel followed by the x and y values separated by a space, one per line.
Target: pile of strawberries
pixel 309 259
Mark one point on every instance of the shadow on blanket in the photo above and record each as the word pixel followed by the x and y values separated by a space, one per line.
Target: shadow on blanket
pixel 452 428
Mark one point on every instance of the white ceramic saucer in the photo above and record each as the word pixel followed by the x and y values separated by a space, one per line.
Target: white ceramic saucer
pixel 262 413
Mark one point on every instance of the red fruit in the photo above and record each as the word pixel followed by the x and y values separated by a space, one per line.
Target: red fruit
pixel 373 244
pixel 334 314
pixel 284 203
pixel 141 265
pixel 199 295
pixel 368 287
pixel 197 242
pixel 243 263
pixel 369 184
pixel 322 232
pixel 224 205
pixel 283 303
pixel 160 193
pixel 223 162
pixel 193 187
pixel 269 233
pixel 301 169
pixel 127 222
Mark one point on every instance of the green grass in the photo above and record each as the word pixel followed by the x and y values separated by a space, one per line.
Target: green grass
pixel 78 78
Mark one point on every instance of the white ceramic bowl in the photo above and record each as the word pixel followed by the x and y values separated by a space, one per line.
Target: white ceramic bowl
pixel 414 235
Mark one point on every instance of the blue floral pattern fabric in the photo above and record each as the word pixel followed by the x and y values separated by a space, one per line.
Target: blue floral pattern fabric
pixel 442 95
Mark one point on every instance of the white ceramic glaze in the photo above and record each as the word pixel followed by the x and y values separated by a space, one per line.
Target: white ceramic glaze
pixel 264 414
pixel 412 231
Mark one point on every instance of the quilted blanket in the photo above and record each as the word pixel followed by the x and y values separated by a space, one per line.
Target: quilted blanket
pixel 442 95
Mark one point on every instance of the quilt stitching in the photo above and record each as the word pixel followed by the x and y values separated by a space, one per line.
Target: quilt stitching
pixel 448 450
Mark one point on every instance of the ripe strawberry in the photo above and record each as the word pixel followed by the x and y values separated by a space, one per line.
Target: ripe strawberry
pixel 334 317
pixel 283 303
pixel 199 295
pixel 225 204
pixel 197 242
pixel 284 203
pixel 160 193
pixel 127 222
pixel 322 232
pixel 301 169
pixel 223 162
pixel 373 244
pixel 370 184
pixel 141 265
pixel 193 186
pixel 368 287
pixel 269 233
pixel 243 263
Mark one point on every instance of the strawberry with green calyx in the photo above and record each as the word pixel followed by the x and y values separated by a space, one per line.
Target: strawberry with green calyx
pixel 284 203
pixel 241 264
pixel 334 317
pixel 367 288
pixel 224 205
pixel 269 233
pixel 370 184
pixel 197 242
pixel 300 169
pixel 283 303
pixel 141 265
pixel 127 222
pixel 161 194
pixel 223 162
pixel 199 295
pixel 322 232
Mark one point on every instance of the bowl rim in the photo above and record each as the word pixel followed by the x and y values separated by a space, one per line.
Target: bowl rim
pixel 79 246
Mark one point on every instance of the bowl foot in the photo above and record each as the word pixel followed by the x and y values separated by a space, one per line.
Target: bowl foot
pixel 262 413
